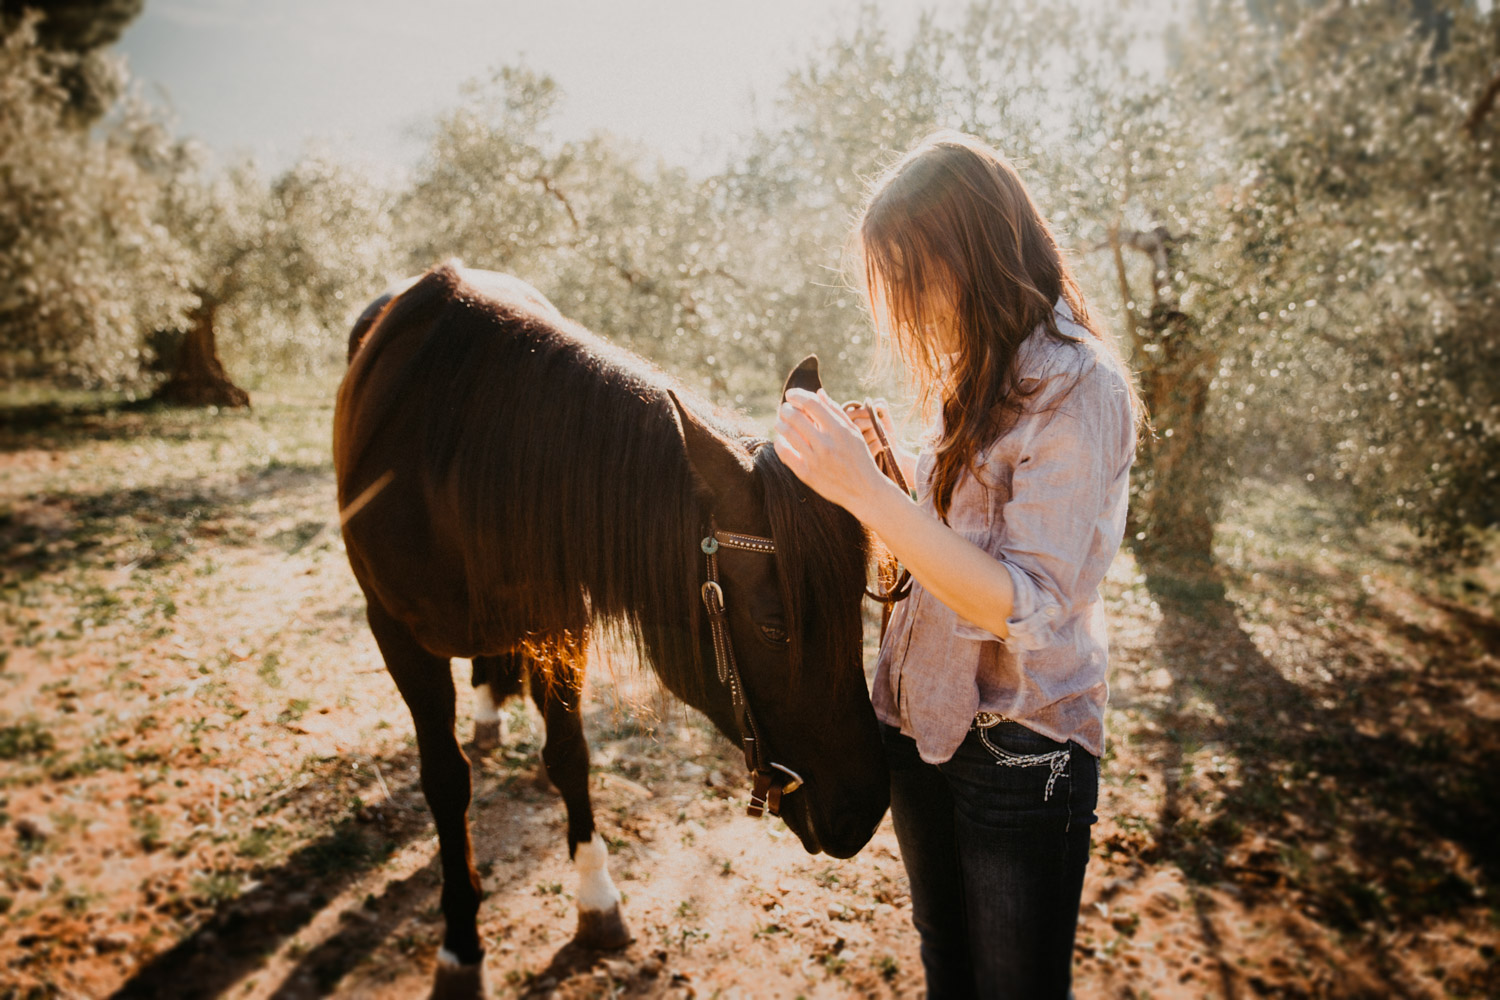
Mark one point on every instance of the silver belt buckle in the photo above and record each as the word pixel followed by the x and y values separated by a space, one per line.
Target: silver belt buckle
pixel 988 720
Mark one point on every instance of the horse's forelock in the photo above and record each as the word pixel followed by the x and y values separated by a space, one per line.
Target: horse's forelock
pixel 822 553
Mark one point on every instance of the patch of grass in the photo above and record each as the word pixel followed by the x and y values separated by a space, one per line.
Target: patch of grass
pixel 294 540
pixel 25 739
pixel 270 670
pixel 94 758
pixel 148 830
pixel 345 849
pixel 218 888
pixel 258 843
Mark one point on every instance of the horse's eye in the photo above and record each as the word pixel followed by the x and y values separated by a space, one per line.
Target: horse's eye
pixel 774 634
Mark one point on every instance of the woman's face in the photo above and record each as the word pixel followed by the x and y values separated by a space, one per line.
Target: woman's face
pixel 942 329
pixel 940 309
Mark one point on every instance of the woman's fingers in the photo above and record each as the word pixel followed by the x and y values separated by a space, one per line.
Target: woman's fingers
pixel 817 408
pixel 792 419
pixel 789 455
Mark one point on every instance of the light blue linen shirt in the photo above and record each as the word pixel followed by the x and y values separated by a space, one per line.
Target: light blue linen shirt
pixel 1050 506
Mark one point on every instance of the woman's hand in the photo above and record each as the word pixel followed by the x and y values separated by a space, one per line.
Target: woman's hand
pixel 826 449
pixel 860 414
pixel 821 444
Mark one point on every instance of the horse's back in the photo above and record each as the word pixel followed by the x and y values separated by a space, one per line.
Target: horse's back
pixel 393 329
pixel 512 291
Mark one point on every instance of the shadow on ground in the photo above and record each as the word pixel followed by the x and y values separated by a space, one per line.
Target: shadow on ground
pixel 1357 774
pixel 242 933
pixel 240 936
pixel 151 527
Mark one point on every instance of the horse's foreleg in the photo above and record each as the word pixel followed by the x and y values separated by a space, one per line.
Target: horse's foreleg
pixel 496 678
pixel 566 756
pixel 426 684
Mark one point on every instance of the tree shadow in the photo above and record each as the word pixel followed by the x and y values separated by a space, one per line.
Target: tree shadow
pixel 60 427
pixel 572 958
pixel 48 416
pixel 367 928
pixel 161 524
pixel 1350 779
pixel 243 933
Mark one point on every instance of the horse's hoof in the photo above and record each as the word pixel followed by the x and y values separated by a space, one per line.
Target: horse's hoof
pixel 602 930
pixel 458 982
pixel 487 735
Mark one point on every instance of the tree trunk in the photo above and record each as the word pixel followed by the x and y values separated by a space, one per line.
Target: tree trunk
pixel 1180 475
pixel 199 378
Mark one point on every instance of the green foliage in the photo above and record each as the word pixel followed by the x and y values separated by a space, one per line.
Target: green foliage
pixel 286 263
pixel 84 265
pixel 1364 284
pixel 1289 225
pixel 74 34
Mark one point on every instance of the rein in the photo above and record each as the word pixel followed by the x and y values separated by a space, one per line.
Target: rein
pixel 897 585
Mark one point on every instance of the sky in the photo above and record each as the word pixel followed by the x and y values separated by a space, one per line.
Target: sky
pixel 274 78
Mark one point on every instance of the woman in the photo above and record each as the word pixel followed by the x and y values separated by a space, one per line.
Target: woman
pixel 991 677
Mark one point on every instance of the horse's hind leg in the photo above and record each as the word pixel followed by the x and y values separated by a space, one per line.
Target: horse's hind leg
pixel 426 684
pixel 566 756
pixel 496 678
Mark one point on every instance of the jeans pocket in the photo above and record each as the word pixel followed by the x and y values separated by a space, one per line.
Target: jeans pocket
pixel 1013 745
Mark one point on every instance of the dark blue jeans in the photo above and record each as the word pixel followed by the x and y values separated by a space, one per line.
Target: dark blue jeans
pixel 995 841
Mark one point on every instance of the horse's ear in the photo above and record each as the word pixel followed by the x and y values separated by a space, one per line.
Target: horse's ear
pixel 722 465
pixel 804 376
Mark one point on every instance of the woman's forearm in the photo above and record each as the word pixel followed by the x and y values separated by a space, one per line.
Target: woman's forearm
pixel 953 569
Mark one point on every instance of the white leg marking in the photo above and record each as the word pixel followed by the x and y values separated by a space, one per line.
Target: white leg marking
pixel 446 957
pixel 596 891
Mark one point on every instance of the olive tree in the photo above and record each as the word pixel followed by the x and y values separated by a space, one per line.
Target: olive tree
pixel 86 266
pixel 284 264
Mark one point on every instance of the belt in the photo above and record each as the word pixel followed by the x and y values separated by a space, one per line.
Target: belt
pixel 989 720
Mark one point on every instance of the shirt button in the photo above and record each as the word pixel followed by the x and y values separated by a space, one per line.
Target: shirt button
pixel 1051 612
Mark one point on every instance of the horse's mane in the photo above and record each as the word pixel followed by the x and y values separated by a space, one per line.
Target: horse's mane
pixel 822 554
pixel 587 512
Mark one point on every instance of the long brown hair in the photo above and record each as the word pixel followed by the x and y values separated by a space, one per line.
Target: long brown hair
pixel 950 238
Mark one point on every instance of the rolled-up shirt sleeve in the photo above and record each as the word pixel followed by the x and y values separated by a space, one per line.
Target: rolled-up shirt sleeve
pixel 1066 461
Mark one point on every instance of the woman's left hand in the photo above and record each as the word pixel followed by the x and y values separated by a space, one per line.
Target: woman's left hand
pixel 818 442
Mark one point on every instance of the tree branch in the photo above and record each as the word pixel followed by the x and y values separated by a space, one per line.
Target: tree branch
pixel 551 188
pixel 1482 107
pixel 1127 300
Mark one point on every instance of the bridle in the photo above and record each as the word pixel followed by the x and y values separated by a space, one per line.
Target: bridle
pixel 770 780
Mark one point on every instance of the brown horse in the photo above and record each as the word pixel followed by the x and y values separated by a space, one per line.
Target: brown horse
pixel 509 483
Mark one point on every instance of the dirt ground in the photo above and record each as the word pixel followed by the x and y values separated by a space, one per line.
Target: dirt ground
pixel 208 784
